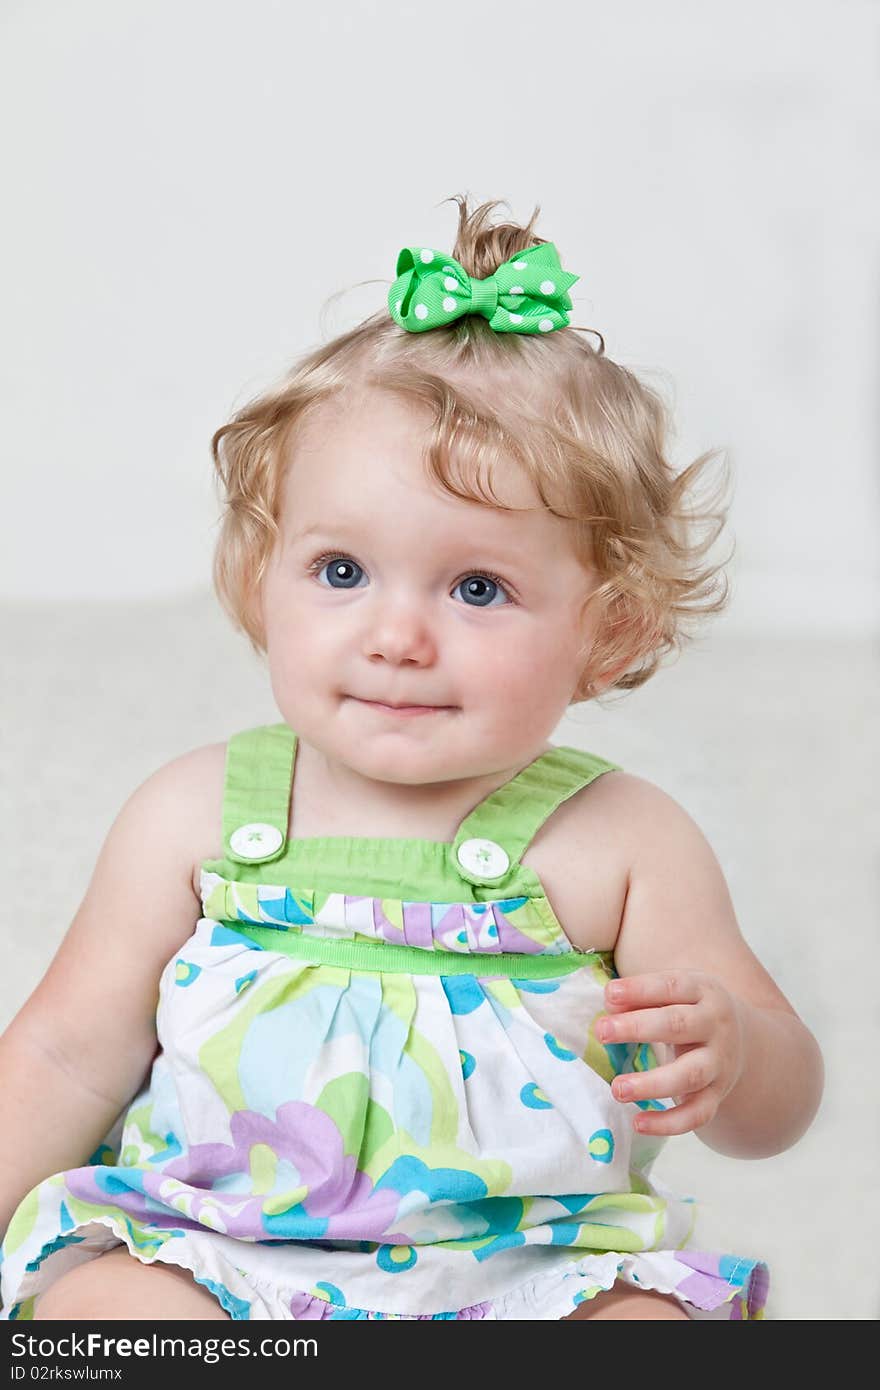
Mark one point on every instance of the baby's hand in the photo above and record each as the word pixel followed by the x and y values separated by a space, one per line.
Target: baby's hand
pixel 701 1019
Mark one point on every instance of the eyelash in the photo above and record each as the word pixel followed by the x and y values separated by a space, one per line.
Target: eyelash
pixel 324 559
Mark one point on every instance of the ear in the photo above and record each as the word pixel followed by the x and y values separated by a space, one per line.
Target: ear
pixel 636 635
pixel 588 689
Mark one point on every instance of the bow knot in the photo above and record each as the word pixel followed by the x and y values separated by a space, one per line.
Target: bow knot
pixel 526 294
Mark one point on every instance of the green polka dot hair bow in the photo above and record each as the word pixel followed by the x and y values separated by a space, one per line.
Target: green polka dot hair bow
pixel 527 294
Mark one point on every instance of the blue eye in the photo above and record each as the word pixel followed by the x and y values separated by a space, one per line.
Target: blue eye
pixel 480 590
pixel 342 573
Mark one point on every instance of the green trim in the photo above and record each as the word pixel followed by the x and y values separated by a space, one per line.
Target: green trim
pixel 391 869
pixel 382 956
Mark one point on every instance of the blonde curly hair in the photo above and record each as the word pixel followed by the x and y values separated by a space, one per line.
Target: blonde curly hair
pixel 590 434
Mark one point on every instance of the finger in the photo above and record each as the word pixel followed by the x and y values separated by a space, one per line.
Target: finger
pixel 693 1113
pixel 659 987
pixel 677 1023
pixel 687 1074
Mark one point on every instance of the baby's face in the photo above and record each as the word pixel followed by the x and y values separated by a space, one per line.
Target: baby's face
pixel 379 594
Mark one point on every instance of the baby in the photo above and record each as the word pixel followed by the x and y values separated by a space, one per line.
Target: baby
pixel 432 990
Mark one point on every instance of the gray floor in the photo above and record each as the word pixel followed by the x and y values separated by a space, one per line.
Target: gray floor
pixel 772 747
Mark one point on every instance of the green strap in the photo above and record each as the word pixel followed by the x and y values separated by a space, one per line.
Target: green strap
pixel 388 956
pixel 259 766
pixel 512 815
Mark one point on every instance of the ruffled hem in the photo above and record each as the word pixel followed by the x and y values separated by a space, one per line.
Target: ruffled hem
pixel 706 1285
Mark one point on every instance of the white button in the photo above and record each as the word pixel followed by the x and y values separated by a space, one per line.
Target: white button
pixel 483 858
pixel 255 841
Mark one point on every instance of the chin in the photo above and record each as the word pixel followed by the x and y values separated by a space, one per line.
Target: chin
pixel 405 766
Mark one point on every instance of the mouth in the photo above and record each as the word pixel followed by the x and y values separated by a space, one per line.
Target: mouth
pixel 404 709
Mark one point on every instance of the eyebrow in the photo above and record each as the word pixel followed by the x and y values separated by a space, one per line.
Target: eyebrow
pixel 320 529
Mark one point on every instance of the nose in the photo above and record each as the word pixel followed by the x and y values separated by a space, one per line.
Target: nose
pixel 399 631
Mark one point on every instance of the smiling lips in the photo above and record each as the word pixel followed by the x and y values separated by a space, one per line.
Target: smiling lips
pixel 405 709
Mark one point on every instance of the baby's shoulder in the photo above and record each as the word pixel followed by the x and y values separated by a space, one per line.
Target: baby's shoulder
pixel 585 853
pixel 610 813
pixel 193 779
pixel 187 792
pixel 636 819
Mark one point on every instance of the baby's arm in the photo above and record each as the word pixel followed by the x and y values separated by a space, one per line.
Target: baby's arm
pixel 80 1047
pixel 747 1074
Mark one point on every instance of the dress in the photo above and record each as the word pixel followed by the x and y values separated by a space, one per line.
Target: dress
pixel 378 1092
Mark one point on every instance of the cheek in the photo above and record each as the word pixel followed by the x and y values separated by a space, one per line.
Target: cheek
pixel 296 641
pixel 533 670
pixel 563 666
